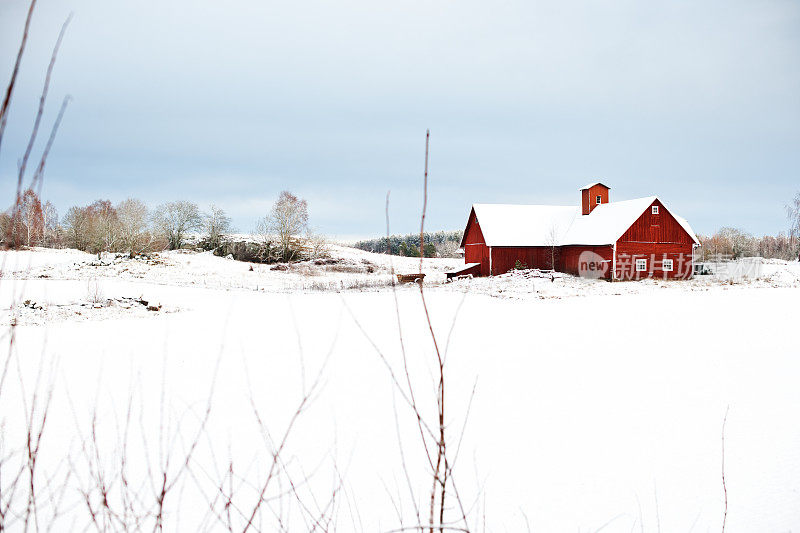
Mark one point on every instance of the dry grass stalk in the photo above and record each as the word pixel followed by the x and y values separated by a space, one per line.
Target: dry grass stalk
pixel 724 486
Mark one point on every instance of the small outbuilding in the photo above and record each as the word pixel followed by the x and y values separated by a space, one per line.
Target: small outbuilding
pixel 631 239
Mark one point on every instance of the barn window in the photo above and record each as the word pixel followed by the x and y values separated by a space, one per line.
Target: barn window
pixel 599 199
pixel 641 265
pixel 654 209
pixel 666 265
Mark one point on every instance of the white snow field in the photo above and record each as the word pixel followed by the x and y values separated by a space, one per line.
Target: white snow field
pixel 597 406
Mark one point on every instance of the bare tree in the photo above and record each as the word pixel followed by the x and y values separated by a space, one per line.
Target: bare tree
pixel 76 227
pixel 793 214
pixel 52 229
pixel 447 249
pixel 317 244
pixel 552 243
pixel 104 227
pixel 25 224
pixel 133 235
pixel 174 220
pixel 287 220
pixel 265 241
pixel 738 243
pixel 217 225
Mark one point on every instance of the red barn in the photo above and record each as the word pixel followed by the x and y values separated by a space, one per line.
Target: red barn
pixel 631 239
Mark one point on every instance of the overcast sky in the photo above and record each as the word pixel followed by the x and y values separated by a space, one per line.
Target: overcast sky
pixel 231 102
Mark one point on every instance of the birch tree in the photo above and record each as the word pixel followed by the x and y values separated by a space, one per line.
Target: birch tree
pixel 552 243
pixel 25 226
pixel 287 220
pixel 31 218
pixel 52 230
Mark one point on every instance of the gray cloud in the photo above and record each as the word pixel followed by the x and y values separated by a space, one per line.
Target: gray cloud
pixel 232 102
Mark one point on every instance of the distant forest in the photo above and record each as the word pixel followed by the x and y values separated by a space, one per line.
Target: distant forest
pixel 730 243
pixel 437 244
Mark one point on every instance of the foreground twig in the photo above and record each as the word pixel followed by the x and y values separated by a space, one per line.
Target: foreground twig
pixel 42 100
pixel 724 487
pixel 12 82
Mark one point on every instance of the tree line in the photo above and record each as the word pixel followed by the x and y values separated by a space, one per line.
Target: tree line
pixel 132 228
pixel 283 234
pixel 734 243
pixel 437 244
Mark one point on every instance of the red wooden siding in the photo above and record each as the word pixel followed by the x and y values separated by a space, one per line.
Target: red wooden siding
pixel 655 238
pixel 504 258
pixel 655 253
pixel 589 197
pixel 656 228
pixel 475 249
pixel 571 256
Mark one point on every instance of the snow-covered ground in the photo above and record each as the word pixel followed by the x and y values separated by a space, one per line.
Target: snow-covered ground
pixel 351 269
pixel 348 268
pixel 597 406
pixel 525 284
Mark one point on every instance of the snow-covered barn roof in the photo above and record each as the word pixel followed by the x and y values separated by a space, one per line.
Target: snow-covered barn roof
pixel 607 222
pixel 685 225
pixel 524 225
pixel 548 225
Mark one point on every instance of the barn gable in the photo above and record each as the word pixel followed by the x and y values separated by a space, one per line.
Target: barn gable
pixel 659 225
pixel 472 233
pixel 474 245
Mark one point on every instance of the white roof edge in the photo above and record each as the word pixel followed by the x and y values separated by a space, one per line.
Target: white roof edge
pixel 590 185
pixel 528 205
pixel 685 225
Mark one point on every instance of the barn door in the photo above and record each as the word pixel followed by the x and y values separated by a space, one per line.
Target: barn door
pixel 654 233
pixel 473 252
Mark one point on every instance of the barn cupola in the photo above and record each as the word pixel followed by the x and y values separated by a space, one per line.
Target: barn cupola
pixel 593 195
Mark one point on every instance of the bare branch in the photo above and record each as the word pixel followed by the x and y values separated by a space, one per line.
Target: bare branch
pixel 42 100
pixel 12 82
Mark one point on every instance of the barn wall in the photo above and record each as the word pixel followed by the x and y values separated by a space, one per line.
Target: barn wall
pixel 655 238
pixel 504 258
pixel 570 259
pixel 475 249
pixel 655 253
